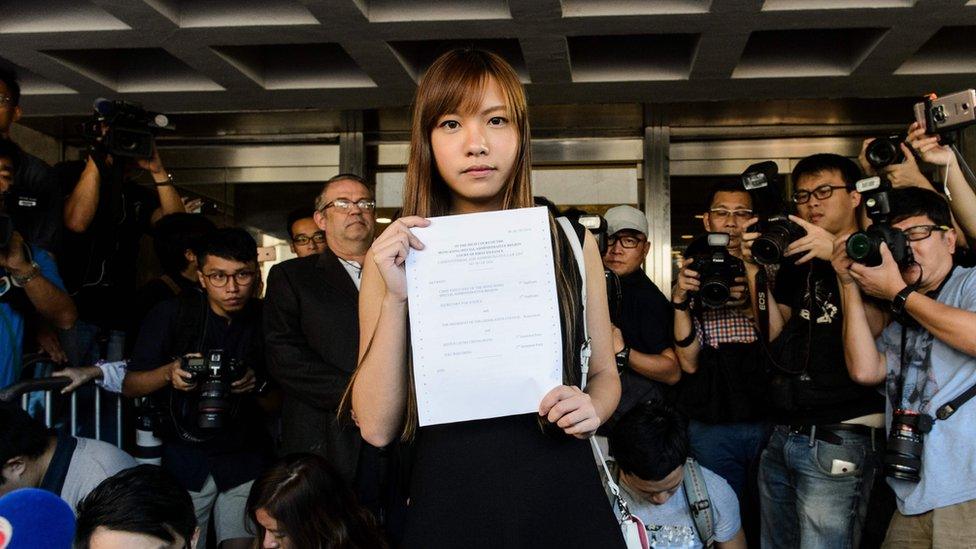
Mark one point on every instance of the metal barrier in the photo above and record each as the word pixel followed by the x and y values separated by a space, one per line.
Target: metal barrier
pixel 48 385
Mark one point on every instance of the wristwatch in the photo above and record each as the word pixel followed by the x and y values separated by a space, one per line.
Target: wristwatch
pixel 21 280
pixel 898 302
pixel 623 358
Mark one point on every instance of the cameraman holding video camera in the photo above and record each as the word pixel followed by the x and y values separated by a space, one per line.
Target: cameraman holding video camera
pixel 816 473
pixel 926 358
pixel 201 358
pixel 106 212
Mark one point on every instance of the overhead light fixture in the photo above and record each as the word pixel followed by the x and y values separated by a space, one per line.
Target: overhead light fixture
pixel 384 220
pixel 687 236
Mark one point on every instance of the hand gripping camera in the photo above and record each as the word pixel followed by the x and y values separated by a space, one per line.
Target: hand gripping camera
pixel 865 246
pixel 716 267
pixel 777 230
pixel 215 373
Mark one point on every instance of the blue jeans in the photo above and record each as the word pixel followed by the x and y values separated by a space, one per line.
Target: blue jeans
pixel 728 449
pixel 804 504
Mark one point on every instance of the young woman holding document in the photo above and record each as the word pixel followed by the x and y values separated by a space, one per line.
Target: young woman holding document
pixel 520 481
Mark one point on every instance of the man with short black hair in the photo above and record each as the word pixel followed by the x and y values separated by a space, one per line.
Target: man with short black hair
pixel 927 360
pixel 33 456
pixel 142 507
pixel 651 452
pixel 642 341
pixel 214 447
pixel 39 200
pixel 723 383
pixel 817 471
pixel 306 236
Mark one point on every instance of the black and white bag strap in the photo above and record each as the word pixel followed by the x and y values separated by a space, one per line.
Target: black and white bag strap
pixel 696 493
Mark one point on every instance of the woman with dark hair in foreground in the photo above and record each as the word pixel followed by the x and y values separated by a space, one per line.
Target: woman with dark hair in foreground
pixel 302 502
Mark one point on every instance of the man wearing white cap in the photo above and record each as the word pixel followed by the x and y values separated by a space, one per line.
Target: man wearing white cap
pixel 643 338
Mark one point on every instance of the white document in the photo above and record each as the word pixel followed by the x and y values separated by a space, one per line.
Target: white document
pixel 484 317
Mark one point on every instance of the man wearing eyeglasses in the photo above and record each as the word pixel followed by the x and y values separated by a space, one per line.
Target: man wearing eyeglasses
pixel 642 340
pixel 926 358
pixel 215 464
pixel 723 379
pixel 311 325
pixel 306 236
pixel 817 471
pixel 38 214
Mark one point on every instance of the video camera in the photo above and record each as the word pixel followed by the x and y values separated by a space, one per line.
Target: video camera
pixel 215 373
pixel 776 228
pixel 716 267
pixel 124 129
pixel 865 246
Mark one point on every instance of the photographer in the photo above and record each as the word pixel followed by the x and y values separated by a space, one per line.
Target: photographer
pixel 642 341
pixel 210 422
pixel 927 357
pixel 816 473
pixel 907 173
pixel 38 214
pixel 29 287
pixel 106 213
pixel 723 384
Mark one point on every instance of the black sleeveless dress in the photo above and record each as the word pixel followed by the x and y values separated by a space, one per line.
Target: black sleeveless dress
pixel 505 483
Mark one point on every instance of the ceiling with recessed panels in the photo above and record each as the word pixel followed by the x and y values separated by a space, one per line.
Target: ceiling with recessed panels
pixel 238 55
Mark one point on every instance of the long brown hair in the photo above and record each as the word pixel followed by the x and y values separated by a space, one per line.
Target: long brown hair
pixel 455 83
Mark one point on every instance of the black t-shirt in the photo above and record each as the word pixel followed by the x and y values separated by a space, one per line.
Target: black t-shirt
pixel 811 385
pixel 646 326
pixel 235 453
pixel 99 265
pixel 38 217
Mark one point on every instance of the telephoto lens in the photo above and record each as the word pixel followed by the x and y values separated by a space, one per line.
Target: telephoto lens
pixel 903 455
pixel 885 151
pixel 778 233
pixel 865 246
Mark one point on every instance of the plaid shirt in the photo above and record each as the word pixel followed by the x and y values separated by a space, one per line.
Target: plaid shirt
pixel 725 325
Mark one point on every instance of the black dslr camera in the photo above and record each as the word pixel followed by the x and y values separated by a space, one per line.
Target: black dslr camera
pixel 215 373
pixel 885 151
pixel 716 267
pixel 776 228
pixel 903 454
pixel 865 246
pixel 124 129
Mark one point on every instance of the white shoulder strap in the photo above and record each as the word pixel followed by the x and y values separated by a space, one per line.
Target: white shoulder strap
pixel 574 243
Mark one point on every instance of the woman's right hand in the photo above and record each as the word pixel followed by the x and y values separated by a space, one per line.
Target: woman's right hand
pixel 390 251
pixel 928 147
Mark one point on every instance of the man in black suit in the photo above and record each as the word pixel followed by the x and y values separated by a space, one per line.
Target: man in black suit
pixel 311 322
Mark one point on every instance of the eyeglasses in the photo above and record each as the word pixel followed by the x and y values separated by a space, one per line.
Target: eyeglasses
pixel 822 192
pixel 921 232
pixel 219 280
pixel 625 241
pixel 317 237
pixel 722 213
pixel 345 204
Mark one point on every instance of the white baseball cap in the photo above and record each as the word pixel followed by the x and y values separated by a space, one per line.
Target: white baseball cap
pixel 620 218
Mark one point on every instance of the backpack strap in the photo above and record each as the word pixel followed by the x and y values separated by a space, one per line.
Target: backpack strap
pixel 171 284
pixel 698 503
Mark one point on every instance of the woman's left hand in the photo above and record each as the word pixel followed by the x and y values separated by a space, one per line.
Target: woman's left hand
pixel 572 410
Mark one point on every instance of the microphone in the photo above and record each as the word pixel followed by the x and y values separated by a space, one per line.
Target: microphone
pixel 35 519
